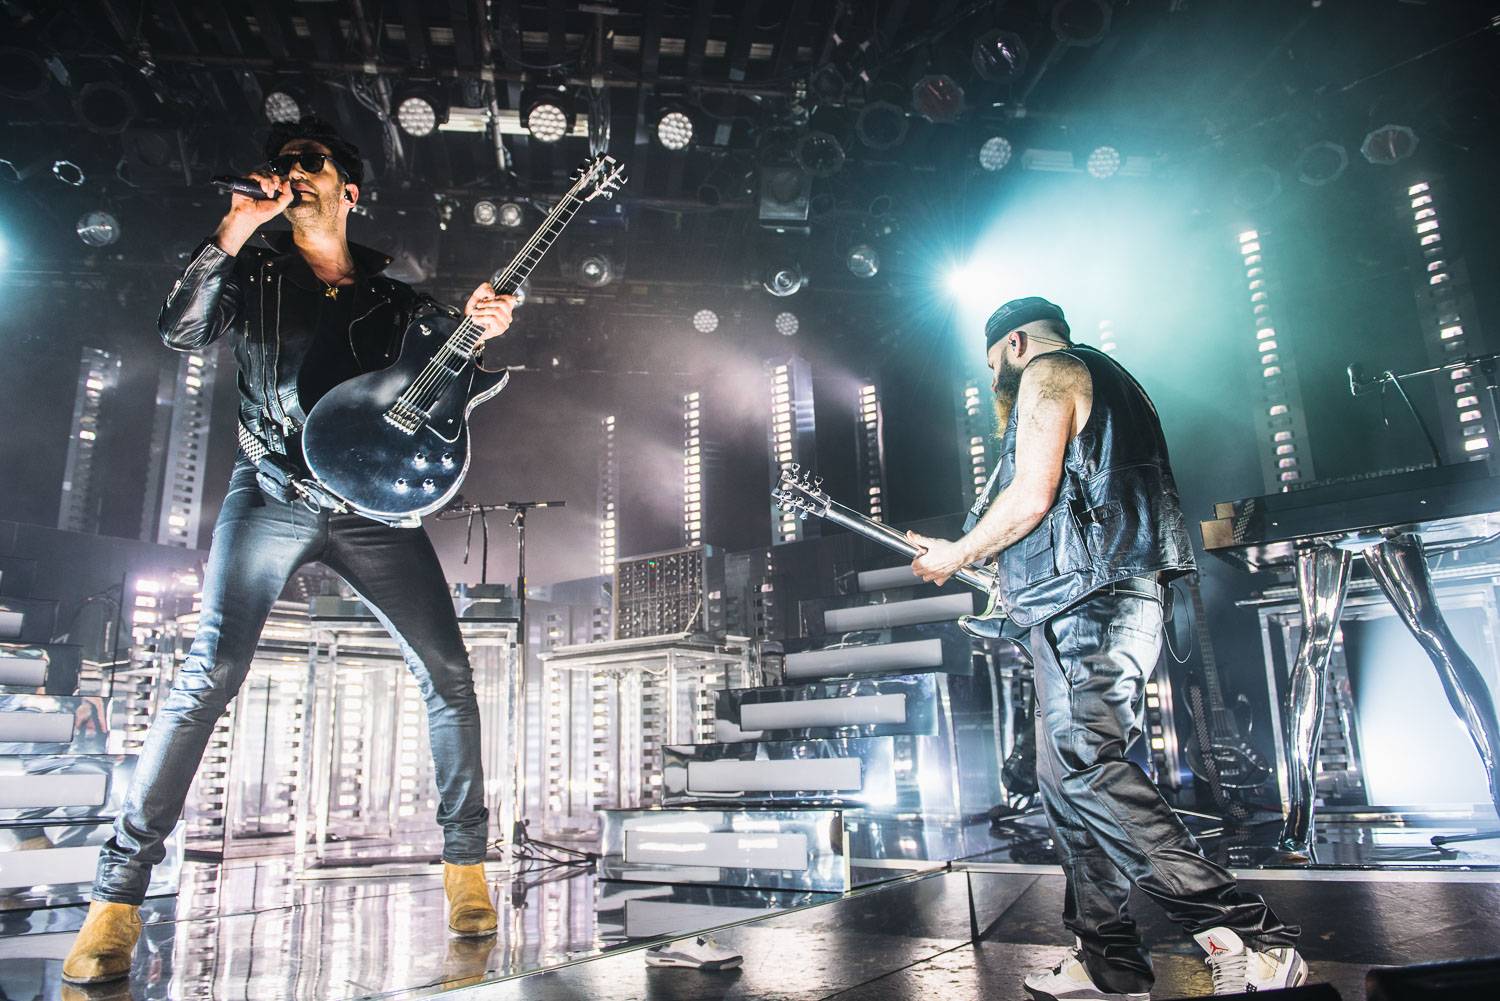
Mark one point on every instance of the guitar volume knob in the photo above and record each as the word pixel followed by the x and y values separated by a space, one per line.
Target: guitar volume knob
pixel 447 460
pixel 429 485
pixel 401 485
pixel 419 460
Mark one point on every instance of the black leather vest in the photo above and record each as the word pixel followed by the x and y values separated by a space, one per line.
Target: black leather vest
pixel 1116 515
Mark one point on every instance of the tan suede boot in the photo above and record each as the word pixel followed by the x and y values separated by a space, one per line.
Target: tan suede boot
pixel 105 944
pixel 470 912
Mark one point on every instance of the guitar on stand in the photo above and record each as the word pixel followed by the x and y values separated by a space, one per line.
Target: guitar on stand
pixel 393 445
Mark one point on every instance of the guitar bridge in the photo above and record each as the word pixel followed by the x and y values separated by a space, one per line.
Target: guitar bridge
pixel 405 417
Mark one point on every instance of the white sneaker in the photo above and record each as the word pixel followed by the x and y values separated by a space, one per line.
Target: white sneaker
pixel 1069 981
pixel 1239 969
pixel 699 953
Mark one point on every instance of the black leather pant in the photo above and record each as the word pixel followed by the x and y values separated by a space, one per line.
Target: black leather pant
pixel 258 543
pixel 1111 825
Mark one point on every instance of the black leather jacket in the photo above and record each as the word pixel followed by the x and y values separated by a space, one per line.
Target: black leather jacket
pixel 269 297
pixel 1116 514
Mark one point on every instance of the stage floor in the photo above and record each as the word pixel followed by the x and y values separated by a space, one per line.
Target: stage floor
pixel 250 930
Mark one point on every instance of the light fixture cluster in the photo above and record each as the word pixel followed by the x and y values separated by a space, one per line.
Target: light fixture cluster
pixel 1107 342
pixel 609 477
pixel 692 469
pixel 1284 442
pixel 978 461
pixel 1429 232
pixel 490 213
pixel 785 523
pixel 872 451
pixel 705 321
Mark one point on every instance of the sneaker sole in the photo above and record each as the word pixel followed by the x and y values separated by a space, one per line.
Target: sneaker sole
pixel 472 934
pixel 89 981
pixel 1041 995
pixel 711 966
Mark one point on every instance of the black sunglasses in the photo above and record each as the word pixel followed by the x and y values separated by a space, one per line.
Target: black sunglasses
pixel 312 163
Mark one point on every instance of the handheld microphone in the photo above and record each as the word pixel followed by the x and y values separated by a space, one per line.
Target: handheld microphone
pixel 248 188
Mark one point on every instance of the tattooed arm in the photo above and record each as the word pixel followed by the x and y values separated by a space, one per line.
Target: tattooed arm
pixel 1054 401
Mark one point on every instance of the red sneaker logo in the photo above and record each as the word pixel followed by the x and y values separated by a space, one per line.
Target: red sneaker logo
pixel 1214 948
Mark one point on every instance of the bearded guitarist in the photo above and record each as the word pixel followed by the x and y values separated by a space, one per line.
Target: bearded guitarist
pixel 305 310
pixel 1085 522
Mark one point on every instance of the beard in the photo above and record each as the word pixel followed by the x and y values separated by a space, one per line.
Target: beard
pixel 1007 388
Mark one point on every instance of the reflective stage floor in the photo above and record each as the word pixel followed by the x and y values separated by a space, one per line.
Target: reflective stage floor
pixel 251 932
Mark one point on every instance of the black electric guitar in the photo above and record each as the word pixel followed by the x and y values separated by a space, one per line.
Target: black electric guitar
pixel 393 445
pixel 1240 767
pixel 800 491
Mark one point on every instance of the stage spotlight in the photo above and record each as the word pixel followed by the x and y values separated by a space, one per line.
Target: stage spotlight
pixel 1321 163
pixel 595 271
pixel 881 124
pixel 995 153
pixel 999 55
pixel 787 324
pixel 705 321
pixel 820 154
pixel 24 75
pixel 674 129
pixel 511 215
pixel 1081 22
pixel 1255 187
pixel 1104 162
pixel 937 97
pixel 784 280
pixel 69 173
pixel 98 229
pixel 485 213
pixel 420 108
pixel 106 109
pixel 1389 144
pixel 284 105
pixel 863 261
pixel 547 115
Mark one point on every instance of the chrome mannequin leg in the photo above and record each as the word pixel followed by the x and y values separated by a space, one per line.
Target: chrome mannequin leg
pixel 1322 578
pixel 1400 568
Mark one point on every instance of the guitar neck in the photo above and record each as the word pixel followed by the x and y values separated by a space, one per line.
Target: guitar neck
pixel 510 277
pixel 977 578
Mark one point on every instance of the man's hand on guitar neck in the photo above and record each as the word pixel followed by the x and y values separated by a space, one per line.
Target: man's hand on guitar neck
pixel 490 312
pixel 940 558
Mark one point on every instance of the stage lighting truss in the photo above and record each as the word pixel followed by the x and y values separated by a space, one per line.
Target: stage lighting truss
pixel 98 229
pixel 69 173
pixel 692 469
pixel 1427 228
pixel 787 324
pixel 995 153
pixel 420 108
pixel 705 321
pixel 863 261
pixel 1274 382
pixel 1104 162
pixel 937 97
pixel 1321 163
pixel 674 129
pixel 548 115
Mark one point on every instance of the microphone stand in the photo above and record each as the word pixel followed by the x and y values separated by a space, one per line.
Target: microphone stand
pixel 531 854
pixel 1488 364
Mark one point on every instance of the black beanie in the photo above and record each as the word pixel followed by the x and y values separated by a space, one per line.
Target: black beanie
pixel 1018 313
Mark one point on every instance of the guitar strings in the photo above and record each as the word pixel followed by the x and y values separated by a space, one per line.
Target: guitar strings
pixel 436 377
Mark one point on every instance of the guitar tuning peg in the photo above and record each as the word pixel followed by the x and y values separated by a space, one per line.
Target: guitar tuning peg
pixel 803 514
pixel 817 481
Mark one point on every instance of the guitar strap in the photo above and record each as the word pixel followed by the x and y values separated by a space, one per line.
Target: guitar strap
pixel 982 501
pixel 279 477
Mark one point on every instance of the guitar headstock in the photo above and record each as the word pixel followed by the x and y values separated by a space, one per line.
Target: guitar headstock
pixel 800 490
pixel 600 175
